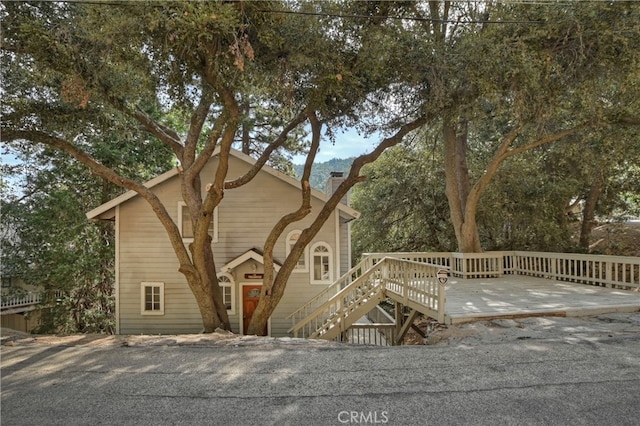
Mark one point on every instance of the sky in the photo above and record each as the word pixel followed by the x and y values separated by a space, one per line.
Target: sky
pixel 348 144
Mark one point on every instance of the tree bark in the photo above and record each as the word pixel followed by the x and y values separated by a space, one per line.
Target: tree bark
pixel 463 199
pixel 271 296
pixel 457 188
pixel 268 300
pixel 588 214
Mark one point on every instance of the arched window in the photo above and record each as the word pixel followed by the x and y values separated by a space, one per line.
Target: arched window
pixel 292 238
pixel 228 292
pixel 321 264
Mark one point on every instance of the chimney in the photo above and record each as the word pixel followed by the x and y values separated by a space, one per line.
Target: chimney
pixel 335 179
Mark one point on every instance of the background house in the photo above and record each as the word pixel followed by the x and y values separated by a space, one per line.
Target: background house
pixel 153 297
pixel 19 304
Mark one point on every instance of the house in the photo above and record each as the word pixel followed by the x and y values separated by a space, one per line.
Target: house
pixel 19 304
pixel 153 297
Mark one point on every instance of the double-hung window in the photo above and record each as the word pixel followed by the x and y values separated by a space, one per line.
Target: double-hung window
pixel 186 226
pixel 152 298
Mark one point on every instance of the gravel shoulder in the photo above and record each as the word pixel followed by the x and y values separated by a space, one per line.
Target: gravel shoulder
pixel 477 333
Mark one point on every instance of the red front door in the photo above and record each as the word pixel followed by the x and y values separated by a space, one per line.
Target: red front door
pixel 250 298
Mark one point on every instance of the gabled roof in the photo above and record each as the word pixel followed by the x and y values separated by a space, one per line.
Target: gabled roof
pixel 104 208
pixel 254 254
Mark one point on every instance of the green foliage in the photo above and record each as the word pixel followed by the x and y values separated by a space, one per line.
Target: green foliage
pixel 321 171
pixel 526 206
pixel 114 80
pixel 46 238
pixel 125 88
pixel 402 204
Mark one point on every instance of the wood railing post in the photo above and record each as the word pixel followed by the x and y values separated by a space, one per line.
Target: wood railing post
pixel 405 282
pixel 398 316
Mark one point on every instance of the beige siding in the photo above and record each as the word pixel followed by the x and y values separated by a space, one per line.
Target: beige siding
pixel 245 218
pixel 25 322
pixel 345 261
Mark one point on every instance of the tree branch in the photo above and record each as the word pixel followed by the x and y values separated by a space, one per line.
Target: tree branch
pixel 503 153
pixel 163 133
pixel 198 118
pixel 299 214
pixel 542 141
pixel 277 143
pixel 209 147
pixel 101 170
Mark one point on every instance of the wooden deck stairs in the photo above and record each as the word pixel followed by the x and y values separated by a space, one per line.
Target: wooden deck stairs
pixel 411 280
pixel 334 310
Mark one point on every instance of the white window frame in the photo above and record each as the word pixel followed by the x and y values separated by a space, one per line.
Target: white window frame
pixel 232 285
pixel 304 256
pixel 144 285
pixel 312 256
pixel 214 237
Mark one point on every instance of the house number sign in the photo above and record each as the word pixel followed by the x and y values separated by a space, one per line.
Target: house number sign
pixel 254 276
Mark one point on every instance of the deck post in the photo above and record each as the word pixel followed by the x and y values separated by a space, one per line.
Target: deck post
pixel 405 327
pixel 443 279
pixel 405 282
pixel 399 316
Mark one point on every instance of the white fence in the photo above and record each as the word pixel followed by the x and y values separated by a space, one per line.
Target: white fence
pixel 610 271
pixel 29 299
pixel 411 279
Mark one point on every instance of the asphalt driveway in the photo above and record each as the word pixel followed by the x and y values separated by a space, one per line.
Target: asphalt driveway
pixel 574 377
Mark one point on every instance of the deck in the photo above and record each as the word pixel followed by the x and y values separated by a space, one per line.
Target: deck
pixel 464 287
pixel 521 296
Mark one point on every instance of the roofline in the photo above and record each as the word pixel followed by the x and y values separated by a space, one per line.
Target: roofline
pixel 130 194
pixel 247 255
pixel 92 214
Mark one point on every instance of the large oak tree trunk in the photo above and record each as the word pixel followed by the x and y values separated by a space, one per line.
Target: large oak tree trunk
pixel 462 212
pixel 203 282
pixel 588 214
pixel 274 284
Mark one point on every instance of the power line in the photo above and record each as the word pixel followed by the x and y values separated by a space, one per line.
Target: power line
pixel 333 15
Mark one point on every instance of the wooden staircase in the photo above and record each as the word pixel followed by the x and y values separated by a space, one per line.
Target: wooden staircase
pixel 340 305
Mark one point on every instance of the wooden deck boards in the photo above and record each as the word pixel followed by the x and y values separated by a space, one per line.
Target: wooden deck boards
pixel 520 296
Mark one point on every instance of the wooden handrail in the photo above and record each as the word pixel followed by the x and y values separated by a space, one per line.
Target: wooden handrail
pixel 340 283
pixel 417 287
pixel 31 298
pixel 327 303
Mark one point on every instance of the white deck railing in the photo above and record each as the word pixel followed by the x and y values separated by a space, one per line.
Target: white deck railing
pixel 16 301
pixel 330 311
pixel 318 300
pixel 31 298
pixel 606 271
pixel 410 278
pixel 416 285
pixel 411 283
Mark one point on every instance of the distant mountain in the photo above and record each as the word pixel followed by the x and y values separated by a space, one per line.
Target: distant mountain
pixel 320 171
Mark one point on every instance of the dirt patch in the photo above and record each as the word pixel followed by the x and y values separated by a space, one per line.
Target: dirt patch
pixel 570 329
pixel 10 337
pixel 619 239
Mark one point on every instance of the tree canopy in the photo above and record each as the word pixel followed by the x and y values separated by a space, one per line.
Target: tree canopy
pixel 490 81
pixel 187 75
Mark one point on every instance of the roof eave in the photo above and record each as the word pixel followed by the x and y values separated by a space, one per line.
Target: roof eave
pixel 98 211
